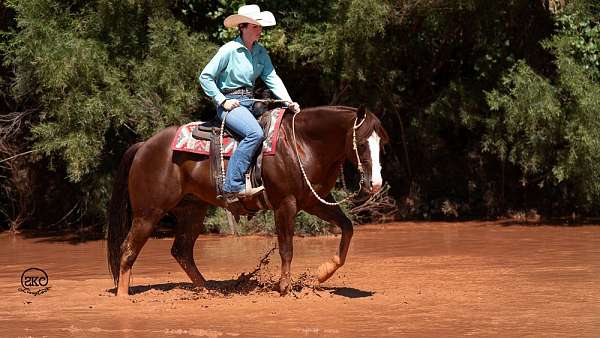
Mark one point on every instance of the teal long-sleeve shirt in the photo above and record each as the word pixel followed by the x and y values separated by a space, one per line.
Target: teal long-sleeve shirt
pixel 234 66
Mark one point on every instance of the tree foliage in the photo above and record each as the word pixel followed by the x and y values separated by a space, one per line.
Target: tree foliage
pixel 549 126
pixel 491 105
pixel 99 76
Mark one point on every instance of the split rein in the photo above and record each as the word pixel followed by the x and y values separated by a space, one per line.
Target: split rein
pixel 354 146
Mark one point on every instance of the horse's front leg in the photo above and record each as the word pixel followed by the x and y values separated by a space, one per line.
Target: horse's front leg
pixel 284 221
pixel 335 215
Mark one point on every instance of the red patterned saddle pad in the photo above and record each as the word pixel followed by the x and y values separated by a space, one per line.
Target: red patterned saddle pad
pixel 184 141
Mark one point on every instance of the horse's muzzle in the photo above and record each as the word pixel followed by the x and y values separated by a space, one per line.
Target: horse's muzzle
pixel 375 188
pixel 371 188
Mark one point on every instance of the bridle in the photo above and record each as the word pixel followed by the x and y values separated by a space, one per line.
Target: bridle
pixel 359 164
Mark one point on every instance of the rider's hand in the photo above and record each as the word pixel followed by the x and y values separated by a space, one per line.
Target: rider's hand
pixel 230 104
pixel 294 107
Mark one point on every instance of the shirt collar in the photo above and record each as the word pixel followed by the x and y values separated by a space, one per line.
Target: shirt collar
pixel 241 44
pixel 239 41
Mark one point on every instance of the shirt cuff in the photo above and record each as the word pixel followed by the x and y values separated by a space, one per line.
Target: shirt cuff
pixel 219 99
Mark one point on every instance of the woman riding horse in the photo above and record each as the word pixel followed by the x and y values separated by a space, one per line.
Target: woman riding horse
pixel 229 79
pixel 154 180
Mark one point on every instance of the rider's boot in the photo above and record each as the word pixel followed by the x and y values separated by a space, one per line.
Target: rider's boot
pixel 232 199
pixel 233 204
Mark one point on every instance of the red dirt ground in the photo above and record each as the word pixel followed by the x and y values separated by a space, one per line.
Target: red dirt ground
pixel 401 279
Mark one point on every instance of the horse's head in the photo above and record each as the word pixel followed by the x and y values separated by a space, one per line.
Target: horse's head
pixel 370 138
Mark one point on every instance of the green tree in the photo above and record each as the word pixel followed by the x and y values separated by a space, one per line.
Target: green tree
pixel 99 76
pixel 550 126
pixel 490 105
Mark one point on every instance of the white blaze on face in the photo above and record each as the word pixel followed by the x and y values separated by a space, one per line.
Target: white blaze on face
pixel 376 179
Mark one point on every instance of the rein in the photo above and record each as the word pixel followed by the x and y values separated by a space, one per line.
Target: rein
pixel 354 146
pixel 221 146
pixel 266 100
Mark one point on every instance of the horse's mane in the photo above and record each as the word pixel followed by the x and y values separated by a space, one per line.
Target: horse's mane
pixel 315 117
pixel 370 124
pixel 333 109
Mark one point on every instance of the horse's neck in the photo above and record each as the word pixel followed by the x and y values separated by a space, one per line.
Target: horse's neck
pixel 325 135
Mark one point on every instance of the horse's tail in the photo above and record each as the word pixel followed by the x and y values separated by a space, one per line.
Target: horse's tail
pixel 119 215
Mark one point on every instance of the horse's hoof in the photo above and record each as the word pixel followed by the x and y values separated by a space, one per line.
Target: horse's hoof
pixel 122 294
pixel 198 281
pixel 327 269
pixel 284 288
pixel 199 286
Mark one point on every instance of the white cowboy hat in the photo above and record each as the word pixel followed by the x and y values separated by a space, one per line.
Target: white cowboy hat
pixel 250 14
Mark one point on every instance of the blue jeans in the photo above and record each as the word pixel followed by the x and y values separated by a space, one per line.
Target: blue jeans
pixel 244 123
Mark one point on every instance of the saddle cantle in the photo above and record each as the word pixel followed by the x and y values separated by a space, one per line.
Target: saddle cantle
pixel 205 130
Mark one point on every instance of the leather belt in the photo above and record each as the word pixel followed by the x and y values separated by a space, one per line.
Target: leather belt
pixel 246 91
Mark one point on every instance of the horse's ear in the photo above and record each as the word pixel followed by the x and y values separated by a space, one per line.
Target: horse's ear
pixel 361 112
pixel 379 110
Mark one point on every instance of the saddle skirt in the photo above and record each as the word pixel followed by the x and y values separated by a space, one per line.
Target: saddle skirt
pixel 185 141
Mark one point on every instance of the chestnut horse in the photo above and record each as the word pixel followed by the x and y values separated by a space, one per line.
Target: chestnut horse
pixel 153 180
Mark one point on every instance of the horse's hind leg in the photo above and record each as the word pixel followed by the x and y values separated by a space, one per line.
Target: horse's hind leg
pixel 190 216
pixel 141 229
pixel 335 215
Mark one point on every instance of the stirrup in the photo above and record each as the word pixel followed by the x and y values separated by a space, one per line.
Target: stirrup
pixel 249 191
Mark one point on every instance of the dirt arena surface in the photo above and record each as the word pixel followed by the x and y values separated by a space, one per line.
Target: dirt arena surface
pixel 404 279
